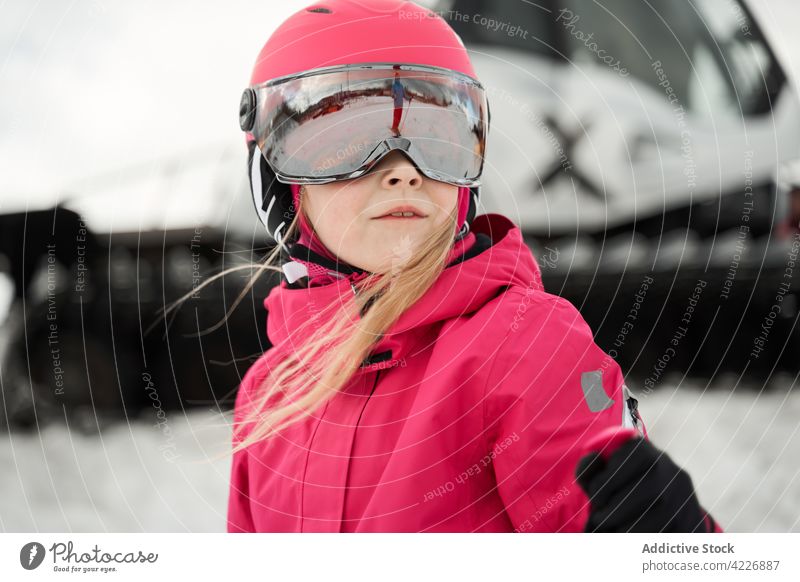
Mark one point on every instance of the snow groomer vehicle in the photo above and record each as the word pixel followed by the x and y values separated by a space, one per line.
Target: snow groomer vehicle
pixel 649 152
pixel 84 337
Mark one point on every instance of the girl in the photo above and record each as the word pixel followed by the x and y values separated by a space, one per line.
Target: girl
pixel 420 379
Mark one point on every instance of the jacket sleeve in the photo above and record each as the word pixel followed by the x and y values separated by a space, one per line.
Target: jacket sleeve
pixel 240 518
pixel 549 390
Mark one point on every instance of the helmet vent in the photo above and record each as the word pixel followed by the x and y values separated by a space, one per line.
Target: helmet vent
pixel 320 9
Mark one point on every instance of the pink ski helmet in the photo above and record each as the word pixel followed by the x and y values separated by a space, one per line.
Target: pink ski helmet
pixel 343 32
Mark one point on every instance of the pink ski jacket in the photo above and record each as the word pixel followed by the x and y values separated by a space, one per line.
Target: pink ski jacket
pixel 470 415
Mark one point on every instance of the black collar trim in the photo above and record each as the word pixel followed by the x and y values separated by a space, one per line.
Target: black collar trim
pixel 299 251
pixel 376 358
pixel 482 242
pixel 302 252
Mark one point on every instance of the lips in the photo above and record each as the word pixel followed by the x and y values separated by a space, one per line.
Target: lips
pixel 405 211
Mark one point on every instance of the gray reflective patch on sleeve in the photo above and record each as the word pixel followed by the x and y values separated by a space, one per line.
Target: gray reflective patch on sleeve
pixel 593 392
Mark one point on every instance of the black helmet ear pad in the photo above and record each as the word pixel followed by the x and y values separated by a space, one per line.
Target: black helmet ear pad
pixel 272 199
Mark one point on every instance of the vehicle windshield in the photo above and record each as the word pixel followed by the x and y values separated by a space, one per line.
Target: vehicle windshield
pixel 711 51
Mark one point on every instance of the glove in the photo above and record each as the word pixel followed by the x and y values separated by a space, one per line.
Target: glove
pixel 636 487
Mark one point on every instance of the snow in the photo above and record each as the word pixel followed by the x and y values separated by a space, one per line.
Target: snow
pixel 133 477
pixel 739 446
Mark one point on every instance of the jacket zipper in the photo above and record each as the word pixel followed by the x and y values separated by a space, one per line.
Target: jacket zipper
pixel 372 391
pixel 375 384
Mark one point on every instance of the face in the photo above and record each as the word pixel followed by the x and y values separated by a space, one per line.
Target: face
pixel 350 219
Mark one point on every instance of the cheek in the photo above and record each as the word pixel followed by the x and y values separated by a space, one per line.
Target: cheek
pixel 339 217
pixel 445 200
pixel 345 215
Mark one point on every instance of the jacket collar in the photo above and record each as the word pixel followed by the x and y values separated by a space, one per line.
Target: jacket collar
pixel 461 289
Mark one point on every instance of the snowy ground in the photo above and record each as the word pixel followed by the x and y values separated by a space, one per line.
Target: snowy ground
pixel 741 449
pixel 129 479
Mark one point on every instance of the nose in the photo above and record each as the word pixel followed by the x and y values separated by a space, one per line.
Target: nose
pixel 399 172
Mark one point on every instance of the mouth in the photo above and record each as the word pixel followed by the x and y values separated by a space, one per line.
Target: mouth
pixel 405 212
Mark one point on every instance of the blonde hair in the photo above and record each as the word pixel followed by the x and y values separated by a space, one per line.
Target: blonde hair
pixel 311 373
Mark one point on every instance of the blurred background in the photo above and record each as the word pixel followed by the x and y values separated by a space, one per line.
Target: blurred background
pixel 649 151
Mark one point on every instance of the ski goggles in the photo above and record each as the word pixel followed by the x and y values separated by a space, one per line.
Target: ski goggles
pixel 336 123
